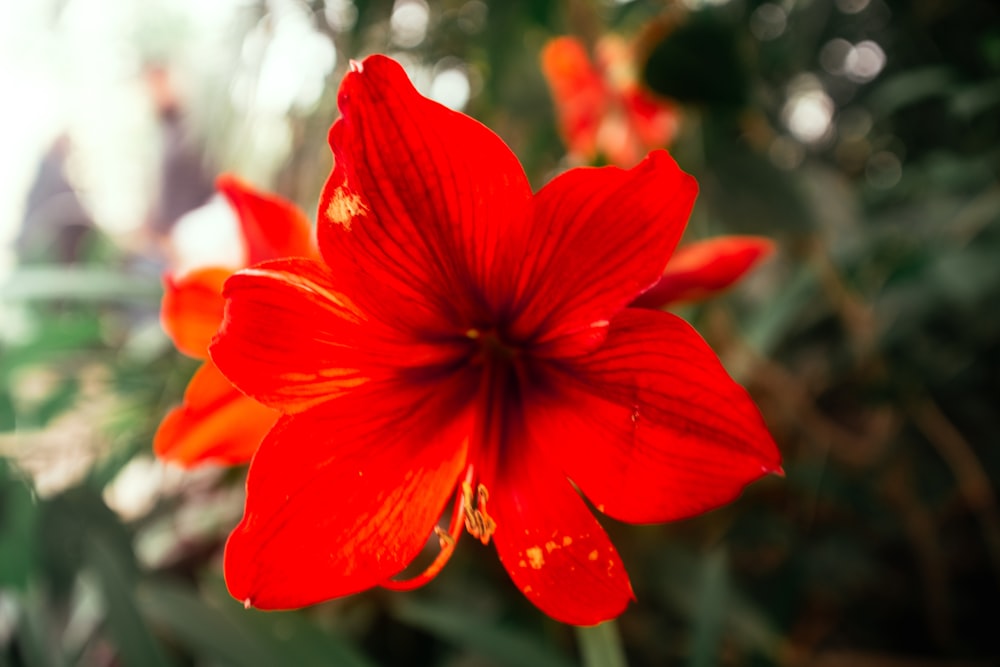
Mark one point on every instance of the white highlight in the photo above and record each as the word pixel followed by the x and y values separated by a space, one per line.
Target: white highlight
pixel 768 22
pixel 409 21
pixel 859 62
pixel 808 113
pixel 451 88
pixel 864 62
pixel 341 15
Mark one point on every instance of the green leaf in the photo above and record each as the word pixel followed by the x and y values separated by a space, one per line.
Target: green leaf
pixel 601 645
pixel 52 283
pixel 295 636
pixel 910 87
pixel 698 586
pixel 710 614
pixel 132 636
pixel 8 419
pixel 70 522
pixel 206 631
pixel 80 534
pixel 699 63
pixel 976 99
pixel 749 193
pixel 18 529
pixel 503 645
pixel 766 330
pixel 60 399
pixel 37 645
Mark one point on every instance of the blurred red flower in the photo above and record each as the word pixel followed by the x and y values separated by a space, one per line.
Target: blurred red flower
pixel 216 423
pixel 601 107
pixel 464 338
pixel 701 270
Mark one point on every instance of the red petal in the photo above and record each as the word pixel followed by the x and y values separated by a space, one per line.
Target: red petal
pixel 652 122
pixel 343 497
pixel 192 307
pixel 273 228
pixel 216 423
pixel 554 549
pixel 701 270
pixel 291 340
pixel 425 206
pixel 651 427
pixel 601 237
pixel 578 91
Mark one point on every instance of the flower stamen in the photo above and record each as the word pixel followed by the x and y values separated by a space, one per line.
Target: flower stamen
pixel 447 540
pixel 477 520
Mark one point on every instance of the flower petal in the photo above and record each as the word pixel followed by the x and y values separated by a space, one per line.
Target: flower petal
pixel 701 270
pixel 291 340
pixel 424 205
pixel 650 426
pixel 273 228
pixel 552 546
pixel 345 496
pixel 216 423
pixel 578 91
pixel 654 120
pixel 601 237
pixel 192 307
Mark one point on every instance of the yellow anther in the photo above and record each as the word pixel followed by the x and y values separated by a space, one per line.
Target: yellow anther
pixel 477 520
pixel 445 540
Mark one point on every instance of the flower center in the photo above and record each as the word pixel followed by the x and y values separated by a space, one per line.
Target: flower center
pixel 493 348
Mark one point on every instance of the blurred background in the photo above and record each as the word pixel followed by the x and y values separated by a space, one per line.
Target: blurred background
pixel 862 136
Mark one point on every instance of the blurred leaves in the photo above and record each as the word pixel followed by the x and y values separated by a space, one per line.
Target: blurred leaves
pixel 90 283
pixel 481 635
pixel 219 628
pixel 18 539
pixel 700 63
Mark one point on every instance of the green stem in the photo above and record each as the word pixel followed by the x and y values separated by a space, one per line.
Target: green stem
pixel 601 645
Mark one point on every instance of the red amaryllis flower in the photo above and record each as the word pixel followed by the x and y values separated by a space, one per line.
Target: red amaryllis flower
pixel 216 423
pixel 601 107
pixel 464 338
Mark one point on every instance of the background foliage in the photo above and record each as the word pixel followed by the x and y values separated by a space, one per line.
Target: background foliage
pixel 870 343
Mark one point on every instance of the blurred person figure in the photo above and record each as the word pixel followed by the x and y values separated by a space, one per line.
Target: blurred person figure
pixel 185 183
pixel 56 226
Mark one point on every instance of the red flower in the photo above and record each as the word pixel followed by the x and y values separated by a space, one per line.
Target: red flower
pixel 602 108
pixel 216 423
pixel 463 337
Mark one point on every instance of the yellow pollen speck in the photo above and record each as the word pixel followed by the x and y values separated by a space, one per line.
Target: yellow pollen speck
pixel 522 563
pixel 567 541
pixel 593 555
pixel 472 333
pixel 600 508
pixel 344 207
pixel 551 546
pixel 527 589
pixel 535 558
